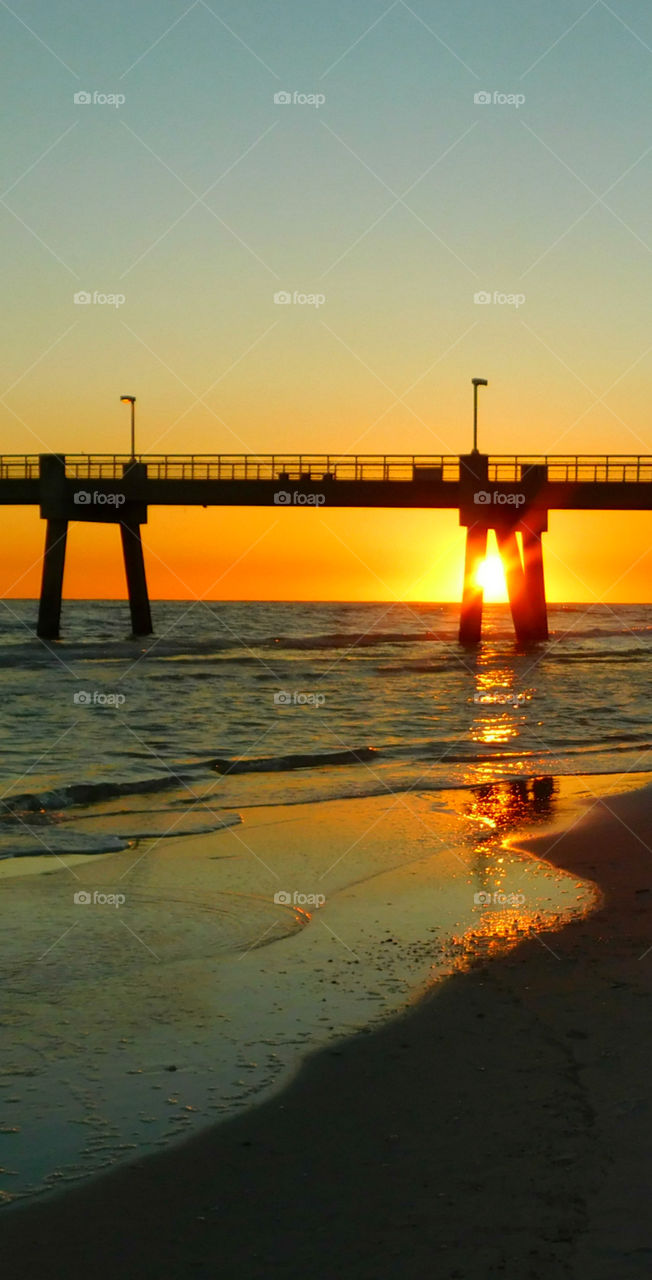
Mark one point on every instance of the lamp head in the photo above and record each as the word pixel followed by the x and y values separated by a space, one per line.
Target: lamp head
pixel 129 399
pixel 479 382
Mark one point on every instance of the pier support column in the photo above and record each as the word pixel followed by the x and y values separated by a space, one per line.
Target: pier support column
pixel 472 597
pixel 535 582
pixel 132 550
pixel 49 611
pixel 516 587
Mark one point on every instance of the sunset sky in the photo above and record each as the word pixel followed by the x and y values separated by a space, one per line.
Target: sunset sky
pixel 397 198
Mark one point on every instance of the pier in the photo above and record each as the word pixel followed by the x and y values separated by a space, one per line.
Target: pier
pixel 510 494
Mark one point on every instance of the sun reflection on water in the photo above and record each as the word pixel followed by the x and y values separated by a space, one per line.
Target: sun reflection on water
pixel 494 731
pixel 496 932
pixel 509 803
pixel 503 917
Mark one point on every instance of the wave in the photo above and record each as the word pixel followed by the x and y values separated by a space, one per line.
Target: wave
pixel 84 793
pixel 354 639
pixel 57 841
pixel 313 760
pixel 551 654
pixel 89 793
pixel 249 648
pixel 641 653
pixel 42 805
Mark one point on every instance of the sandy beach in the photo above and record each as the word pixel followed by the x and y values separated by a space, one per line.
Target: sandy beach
pixel 500 1127
pixel 174 983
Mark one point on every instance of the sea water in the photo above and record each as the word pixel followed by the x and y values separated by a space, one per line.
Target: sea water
pixel 266 826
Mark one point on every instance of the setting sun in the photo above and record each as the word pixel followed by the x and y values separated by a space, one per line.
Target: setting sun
pixel 491 578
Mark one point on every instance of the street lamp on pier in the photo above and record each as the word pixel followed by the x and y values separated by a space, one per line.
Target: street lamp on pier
pixel 132 401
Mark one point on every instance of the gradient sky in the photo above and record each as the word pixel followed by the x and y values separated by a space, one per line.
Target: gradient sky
pixel 398 198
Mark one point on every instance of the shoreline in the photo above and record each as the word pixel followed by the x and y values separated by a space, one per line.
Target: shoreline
pixel 502 1122
pixel 191 986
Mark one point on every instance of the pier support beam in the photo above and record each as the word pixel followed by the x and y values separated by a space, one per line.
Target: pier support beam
pixel 49 611
pixel 472 598
pixel 132 550
pixel 516 585
pixel 535 582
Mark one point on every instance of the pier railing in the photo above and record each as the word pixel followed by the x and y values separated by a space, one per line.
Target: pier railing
pixel 19 466
pixel 575 469
pixel 341 467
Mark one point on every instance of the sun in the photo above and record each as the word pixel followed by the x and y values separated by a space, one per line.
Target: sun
pixel 491 577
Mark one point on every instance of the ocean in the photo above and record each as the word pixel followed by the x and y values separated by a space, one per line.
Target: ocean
pixel 266 827
pixel 269 702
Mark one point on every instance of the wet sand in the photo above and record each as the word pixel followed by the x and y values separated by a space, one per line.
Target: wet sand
pixel 501 1127
pixel 132 1027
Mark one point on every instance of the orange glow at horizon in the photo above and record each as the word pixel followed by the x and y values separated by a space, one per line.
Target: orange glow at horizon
pixel 382 555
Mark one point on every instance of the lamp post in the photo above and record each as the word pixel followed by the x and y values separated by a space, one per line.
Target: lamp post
pixel 477 382
pixel 132 401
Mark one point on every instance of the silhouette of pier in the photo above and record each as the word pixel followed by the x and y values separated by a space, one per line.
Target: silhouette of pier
pixel 510 494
